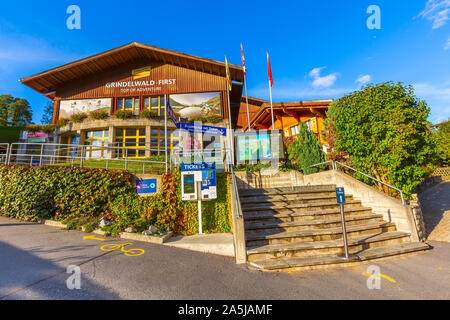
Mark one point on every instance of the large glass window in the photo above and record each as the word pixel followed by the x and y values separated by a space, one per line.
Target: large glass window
pixel 155 103
pixel 98 141
pixel 131 142
pixel 158 141
pixel 131 104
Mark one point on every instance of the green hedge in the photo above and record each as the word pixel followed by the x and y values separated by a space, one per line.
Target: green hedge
pixel 80 197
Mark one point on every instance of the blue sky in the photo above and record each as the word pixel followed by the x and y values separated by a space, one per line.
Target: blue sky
pixel 318 49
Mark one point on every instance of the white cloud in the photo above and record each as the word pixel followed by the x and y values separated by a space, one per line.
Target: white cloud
pixel 447 44
pixel 363 79
pixel 322 82
pixel 437 98
pixel 437 11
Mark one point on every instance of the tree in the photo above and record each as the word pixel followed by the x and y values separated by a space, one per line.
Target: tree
pixel 47 116
pixel 443 143
pixel 383 129
pixel 14 112
pixel 305 150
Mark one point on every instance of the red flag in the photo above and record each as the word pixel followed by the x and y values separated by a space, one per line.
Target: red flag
pixel 269 70
pixel 243 59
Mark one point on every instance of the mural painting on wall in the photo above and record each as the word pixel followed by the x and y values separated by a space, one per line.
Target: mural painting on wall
pixel 70 107
pixel 195 104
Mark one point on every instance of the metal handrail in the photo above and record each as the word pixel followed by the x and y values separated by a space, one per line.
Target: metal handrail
pixel 373 178
pixel 78 152
pixel 239 214
pixel 334 165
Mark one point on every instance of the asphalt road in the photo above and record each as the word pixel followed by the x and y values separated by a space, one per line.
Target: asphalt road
pixel 34 259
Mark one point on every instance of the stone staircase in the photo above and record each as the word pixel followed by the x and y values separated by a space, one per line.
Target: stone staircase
pixel 297 227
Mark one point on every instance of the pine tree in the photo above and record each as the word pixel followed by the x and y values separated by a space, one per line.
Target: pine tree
pixel 305 150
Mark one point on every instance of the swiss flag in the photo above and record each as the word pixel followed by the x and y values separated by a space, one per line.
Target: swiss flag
pixel 269 70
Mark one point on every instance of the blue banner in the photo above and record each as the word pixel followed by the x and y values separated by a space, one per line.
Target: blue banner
pixel 197 166
pixel 172 115
pixel 195 128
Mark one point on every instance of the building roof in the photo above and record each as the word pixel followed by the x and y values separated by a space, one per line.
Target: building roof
pixel 46 82
pixel 264 113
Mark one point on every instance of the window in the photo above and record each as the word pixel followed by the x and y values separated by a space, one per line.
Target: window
pixel 295 130
pixel 131 104
pixel 98 141
pixel 309 125
pixel 157 141
pixel 131 142
pixel 156 103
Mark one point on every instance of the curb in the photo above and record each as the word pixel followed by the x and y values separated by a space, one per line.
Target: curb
pixel 122 235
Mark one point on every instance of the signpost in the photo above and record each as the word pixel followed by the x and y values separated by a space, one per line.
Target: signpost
pixel 340 196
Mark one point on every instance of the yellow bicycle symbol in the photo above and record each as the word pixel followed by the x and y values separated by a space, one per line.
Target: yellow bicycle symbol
pixel 117 246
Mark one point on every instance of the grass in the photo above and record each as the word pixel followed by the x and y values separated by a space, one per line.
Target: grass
pixel 9 134
pixel 133 167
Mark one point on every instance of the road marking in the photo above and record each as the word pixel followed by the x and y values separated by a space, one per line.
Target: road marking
pixel 117 246
pixel 93 238
pixel 380 275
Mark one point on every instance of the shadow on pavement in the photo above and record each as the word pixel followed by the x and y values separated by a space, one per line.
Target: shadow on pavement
pixel 23 275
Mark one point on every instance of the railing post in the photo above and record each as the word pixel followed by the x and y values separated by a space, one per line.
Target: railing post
pixel 126 158
pixel 82 154
pixel 42 151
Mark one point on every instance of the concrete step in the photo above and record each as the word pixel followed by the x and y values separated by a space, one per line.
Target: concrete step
pixel 365 255
pixel 331 247
pixel 271 216
pixel 312 224
pixel 291 200
pixel 287 197
pixel 286 190
pixel 264 238
pixel 300 207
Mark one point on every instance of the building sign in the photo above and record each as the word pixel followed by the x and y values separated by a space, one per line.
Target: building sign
pixel 146 186
pixel 70 107
pixel 36 135
pixel 189 105
pixel 195 128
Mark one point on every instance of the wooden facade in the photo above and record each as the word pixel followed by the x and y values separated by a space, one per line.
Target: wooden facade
pixel 287 116
pixel 88 78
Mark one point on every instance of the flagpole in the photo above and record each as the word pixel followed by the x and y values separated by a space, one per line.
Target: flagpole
pixel 165 126
pixel 245 85
pixel 270 92
pixel 229 119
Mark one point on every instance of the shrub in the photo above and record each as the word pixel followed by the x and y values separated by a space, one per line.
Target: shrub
pixel 33 128
pixel 80 197
pixel 148 114
pixel 48 128
pixel 61 122
pixel 78 117
pixel 123 114
pixel 99 114
pixel 383 129
pixel 305 150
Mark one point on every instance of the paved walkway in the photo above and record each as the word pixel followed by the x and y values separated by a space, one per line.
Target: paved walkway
pixel 436 211
pixel 34 260
pixel 216 243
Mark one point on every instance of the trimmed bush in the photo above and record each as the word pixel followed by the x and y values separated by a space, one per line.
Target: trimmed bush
pixel 48 128
pixel 33 128
pixel 78 117
pixel 148 114
pixel 99 114
pixel 61 122
pixel 123 114
pixel 80 197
